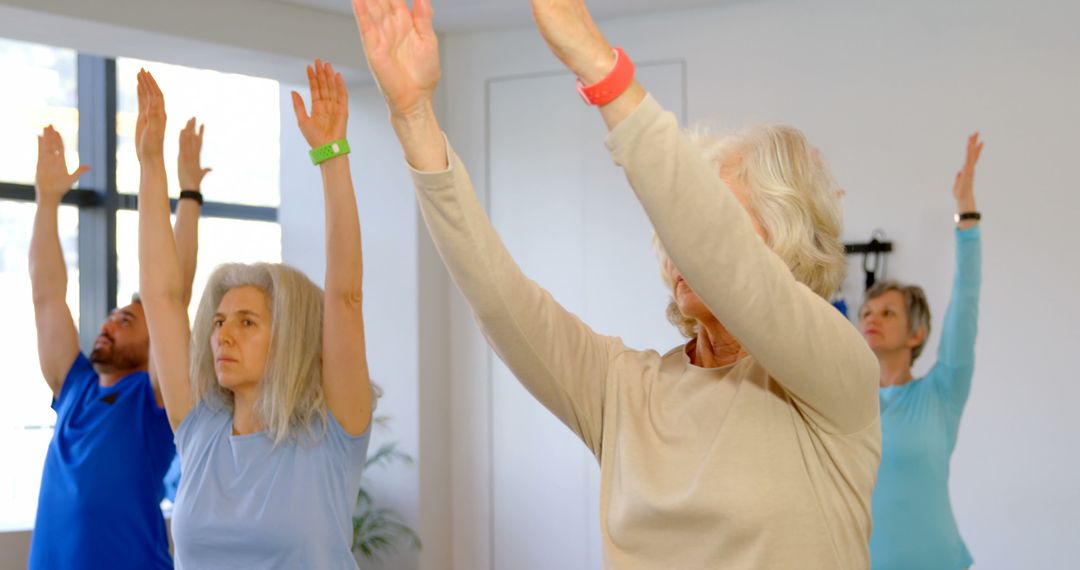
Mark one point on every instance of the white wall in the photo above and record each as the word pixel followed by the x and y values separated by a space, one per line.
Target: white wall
pixel 888 92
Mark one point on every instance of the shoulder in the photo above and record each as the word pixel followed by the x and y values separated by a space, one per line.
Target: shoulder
pixel 78 378
pixel 202 420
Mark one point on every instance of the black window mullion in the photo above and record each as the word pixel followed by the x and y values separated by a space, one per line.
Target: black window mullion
pixel 97 224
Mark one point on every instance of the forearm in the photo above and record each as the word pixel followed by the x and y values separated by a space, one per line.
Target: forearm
pixel 344 258
pixel 159 268
pixel 48 273
pixel 422 140
pixel 966 204
pixel 957 345
pixel 186 236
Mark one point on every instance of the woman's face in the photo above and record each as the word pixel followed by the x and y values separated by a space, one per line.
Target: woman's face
pixel 241 338
pixel 883 321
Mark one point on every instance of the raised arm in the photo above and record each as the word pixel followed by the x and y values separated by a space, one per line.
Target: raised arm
pixel 57 337
pixel 956 350
pixel 161 282
pixel 572 35
pixel 556 357
pixel 805 344
pixel 186 227
pixel 345 377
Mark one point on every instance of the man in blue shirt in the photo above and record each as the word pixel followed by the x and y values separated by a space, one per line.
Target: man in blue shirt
pixel 102 483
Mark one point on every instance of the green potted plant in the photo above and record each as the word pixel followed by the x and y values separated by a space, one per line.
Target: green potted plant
pixel 380 531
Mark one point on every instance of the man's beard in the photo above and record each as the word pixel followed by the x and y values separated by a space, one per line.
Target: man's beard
pixel 110 357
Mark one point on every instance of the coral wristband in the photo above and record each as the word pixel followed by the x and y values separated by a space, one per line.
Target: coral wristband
pixel 609 88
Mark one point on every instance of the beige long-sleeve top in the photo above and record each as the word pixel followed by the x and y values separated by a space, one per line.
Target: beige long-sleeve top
pixel 768 463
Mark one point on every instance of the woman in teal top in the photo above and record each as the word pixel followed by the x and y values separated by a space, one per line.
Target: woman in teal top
pixel 913 523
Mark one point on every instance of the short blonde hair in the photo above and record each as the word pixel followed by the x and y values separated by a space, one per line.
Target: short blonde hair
pixel 290 394
pixel 916 308
pixel 792 195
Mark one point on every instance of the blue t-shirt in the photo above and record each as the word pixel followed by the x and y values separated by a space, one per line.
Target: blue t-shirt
pixel 245 503
pixel 101 490
pixel 913 520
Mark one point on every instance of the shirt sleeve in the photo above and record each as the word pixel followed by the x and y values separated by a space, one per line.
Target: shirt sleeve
pixel 955 365
pixel 78 375
pixel 811 349
pixel 158 431
pixel 189 429
pixel 560 360
pixel 352 448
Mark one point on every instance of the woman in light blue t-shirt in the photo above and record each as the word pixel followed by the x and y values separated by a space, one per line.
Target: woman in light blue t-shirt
pixel 272 410
pixel 913 523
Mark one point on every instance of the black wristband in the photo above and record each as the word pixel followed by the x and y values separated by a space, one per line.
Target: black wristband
pixel 192 195
pixel 967 216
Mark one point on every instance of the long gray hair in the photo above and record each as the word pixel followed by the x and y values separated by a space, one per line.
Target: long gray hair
pixel 290 393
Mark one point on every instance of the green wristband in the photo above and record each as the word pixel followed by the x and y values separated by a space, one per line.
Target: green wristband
pixel 327 151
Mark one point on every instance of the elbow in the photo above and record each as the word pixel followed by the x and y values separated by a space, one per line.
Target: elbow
pixel 152 298
pixel 346 298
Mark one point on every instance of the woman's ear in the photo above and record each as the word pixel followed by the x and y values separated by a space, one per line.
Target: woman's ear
pixel 916 338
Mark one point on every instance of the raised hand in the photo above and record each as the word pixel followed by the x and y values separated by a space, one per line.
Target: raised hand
pixel 188 162
pixel 573 37
pixel 150 126
pixel 402 52
pixel 53 180
pixel 329 106
pixel 964 187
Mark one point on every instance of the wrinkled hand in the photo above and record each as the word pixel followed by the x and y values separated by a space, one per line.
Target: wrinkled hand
pixel 188 162
pixel 964 187
pixel 402 52
pixel 52 179
pixel 150 126
pixel 329 106
pixel 573 37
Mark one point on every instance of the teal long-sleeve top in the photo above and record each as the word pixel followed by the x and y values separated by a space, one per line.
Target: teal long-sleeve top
pixel 914 527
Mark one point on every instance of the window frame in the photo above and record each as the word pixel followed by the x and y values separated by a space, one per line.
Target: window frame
pixel 98 199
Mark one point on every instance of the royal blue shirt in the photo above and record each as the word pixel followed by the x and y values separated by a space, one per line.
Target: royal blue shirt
pixel 101 489
pixel 914 527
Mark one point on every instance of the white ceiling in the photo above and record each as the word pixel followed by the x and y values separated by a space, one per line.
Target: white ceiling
pixel 471 15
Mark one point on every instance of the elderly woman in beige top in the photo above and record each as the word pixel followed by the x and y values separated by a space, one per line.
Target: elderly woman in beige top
pixel 756 444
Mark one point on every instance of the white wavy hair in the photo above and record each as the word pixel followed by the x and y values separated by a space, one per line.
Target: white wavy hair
pixel 791 194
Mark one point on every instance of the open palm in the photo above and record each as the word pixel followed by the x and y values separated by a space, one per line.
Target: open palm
pixel 52 178
pixel 150 125
pixel 964 187
pixel 329 106
pixel 402 51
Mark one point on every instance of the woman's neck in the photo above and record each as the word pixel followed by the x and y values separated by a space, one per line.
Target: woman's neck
pixel 714 346
pixel 245 414
pixel 895 368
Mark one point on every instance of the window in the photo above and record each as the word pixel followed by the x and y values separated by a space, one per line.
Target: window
pixel 99 222
pixel 243 139
pixel 220 241
pixel 45 95
pixel 26 419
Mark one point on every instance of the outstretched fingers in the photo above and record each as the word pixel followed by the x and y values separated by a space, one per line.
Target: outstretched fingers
pixel 320 79
pixel 302 117
pixel 343 93
pixel 423 17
